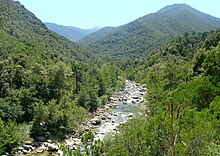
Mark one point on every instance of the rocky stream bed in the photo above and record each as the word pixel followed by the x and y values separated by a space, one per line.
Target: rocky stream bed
pixel 122 106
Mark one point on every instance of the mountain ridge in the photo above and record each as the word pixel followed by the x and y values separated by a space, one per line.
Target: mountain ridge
pixel 149 32
pixel 70 32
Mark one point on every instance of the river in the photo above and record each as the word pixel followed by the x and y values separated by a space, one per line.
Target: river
pixel 123 106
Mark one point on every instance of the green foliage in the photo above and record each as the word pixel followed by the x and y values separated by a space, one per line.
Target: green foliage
pixel 143 36
pixel 202 93
pixel 11 135
pixel 183 101
pixel 211 63
pixel 55 119
pixel 215 107
pixel 189 133
pixel 92 148
pixel 48 82
pixel 213 149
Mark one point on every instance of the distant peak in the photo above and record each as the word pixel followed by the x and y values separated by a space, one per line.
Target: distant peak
pixel 174 7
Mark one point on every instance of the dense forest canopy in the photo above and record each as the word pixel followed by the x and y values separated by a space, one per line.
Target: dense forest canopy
pixel 48 84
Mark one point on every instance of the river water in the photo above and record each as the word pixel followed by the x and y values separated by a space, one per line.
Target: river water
pixel 126 104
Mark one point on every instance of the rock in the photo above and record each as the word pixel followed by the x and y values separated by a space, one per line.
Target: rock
pixel 27 142
pixel 135 97
pixel 74 148
pixel 77 141
pixel 59 152
pixel 37 144
pixel 52 147
pixel 50 141
pixel 18 153
pixel 25 151
pixel 20 148
pixel 86 128
pixel 27 147
pixel 115 114
pixel 107 107
pixel 125 98
pixel 39 150
pixel 69 142
pixel 44 148
pixel 130 115
pixel 113 99
pixel 103 117
pixel 41 138
pixel 115 105
pixel 83 123
pixel 95 121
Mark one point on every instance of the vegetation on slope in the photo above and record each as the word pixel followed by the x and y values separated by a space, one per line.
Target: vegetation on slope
pixel 183 99
pixel 47 83
pixel 148 33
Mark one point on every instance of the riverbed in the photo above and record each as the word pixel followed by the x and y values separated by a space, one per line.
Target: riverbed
pixel 122 106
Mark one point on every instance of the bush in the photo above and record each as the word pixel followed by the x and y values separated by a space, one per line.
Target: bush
pixel 10 136
pixel 55 119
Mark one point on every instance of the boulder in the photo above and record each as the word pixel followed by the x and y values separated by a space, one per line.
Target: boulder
pixel 44 148
pixel 37 144
pixel 103 117
pixel 39 150
pixel 27 147
pixel 130 115
pixel 60 152
pixel 135 97
pixel 27 142
pixel 52 147
pixel 41 138
pixel 25 151
pixel 95 121
pixel 20 148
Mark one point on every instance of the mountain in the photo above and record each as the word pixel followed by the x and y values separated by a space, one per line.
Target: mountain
pixel 45 78
pixel 72 33
pixel 147 33
pixel 22 33
pixel 98 35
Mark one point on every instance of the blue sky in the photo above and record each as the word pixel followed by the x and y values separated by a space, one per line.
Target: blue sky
pixel 91 13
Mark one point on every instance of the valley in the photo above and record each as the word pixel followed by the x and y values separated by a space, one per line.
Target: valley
pixel 148 87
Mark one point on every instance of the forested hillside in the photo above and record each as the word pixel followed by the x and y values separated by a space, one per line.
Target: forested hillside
pixel 47 83
pixel 183 97
pixel 147 33
pixel 72 33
